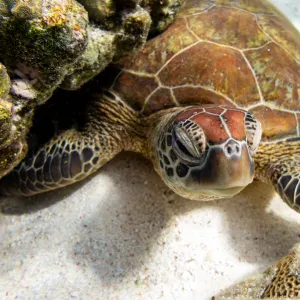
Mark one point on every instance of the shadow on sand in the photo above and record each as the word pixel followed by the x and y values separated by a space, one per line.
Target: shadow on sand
pixel 136 223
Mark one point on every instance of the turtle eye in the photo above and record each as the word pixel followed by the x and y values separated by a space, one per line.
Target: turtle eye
pixel 189 141
pixel 253 132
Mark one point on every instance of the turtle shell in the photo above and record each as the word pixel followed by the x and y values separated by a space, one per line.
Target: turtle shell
pixel 241 53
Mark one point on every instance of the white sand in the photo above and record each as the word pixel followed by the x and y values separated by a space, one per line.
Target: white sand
pixel 123 235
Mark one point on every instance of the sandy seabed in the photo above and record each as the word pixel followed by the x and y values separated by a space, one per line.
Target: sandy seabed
pixel 122 234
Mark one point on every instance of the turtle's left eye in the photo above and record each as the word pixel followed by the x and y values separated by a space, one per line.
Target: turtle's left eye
pixel 253 132
pixel 189 141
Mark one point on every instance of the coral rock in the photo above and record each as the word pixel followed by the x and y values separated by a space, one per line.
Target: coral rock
pixel 62 43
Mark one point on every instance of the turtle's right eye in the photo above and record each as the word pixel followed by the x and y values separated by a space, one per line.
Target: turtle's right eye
pixel 188 141
pixel 186 150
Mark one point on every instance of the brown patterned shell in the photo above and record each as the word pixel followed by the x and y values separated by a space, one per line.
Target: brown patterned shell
pixel 241 53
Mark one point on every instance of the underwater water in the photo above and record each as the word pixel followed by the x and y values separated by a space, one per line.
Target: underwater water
pixel 122 234
pixel 291 9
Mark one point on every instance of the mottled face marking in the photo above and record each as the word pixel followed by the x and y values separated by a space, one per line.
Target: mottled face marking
pixel 207 151
pixel 182 170
pixel 163 145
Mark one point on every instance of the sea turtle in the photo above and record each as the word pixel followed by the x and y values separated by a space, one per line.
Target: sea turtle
pixel 196 100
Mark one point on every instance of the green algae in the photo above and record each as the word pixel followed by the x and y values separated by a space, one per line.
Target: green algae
pixel 47 44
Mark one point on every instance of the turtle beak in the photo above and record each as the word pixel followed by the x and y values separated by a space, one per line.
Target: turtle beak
pixel 227 171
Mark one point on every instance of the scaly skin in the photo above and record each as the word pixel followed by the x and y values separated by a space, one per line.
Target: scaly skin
pixel 277 164
pixel 110 128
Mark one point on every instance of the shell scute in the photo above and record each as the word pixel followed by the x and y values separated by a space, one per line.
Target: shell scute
pixel 286 123
pixel 161 99
pixel 190 112
pixel 194 7
pixel 191 95
pixel 241 29
pixel 215 110
pixel 278 75
pixel 213 67
pixel 135 88
pixel 254 6
pixel 159 50
pixel 280 30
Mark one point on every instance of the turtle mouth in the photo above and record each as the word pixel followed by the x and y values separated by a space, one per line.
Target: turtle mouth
pixel 209 194
pixel 223 193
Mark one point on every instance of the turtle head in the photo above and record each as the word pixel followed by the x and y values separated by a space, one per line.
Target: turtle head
pixel 205 153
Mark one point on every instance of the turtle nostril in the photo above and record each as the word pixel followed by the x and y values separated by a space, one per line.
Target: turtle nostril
pixel 232 148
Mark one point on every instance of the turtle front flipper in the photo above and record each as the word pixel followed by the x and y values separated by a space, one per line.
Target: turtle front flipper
pixel 278 163
pixel 280 281
pixel 111 126
pixel 64 160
